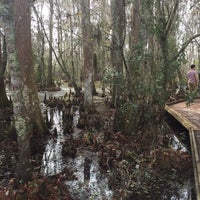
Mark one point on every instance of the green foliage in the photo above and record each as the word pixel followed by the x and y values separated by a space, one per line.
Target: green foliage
pixel 190 97
pixel 139 101
pixel 108 75
pixel 137 110
pixel 113 79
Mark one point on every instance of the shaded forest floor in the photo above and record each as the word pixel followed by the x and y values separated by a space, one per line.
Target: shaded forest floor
pixel 136 162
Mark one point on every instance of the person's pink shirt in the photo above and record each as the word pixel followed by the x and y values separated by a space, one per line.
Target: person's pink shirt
pixel 191 76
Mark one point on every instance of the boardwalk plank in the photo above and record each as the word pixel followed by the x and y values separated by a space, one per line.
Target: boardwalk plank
pixel 189 117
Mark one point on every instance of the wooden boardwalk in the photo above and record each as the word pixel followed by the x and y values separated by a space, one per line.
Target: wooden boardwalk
pixel 189 117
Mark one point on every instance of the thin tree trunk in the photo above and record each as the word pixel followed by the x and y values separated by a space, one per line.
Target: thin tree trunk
pixel 41 79
pixel 4 102
pixel 118 28
pixel 118 31
pixel 60 59
pixel 50 82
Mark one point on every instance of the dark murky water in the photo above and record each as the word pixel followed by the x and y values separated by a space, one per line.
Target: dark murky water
pixel 52 157
pixel 89 182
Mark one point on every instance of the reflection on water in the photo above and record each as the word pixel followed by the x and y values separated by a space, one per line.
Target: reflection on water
pixel 52 157
pixel 88 185
pixel 176 144
pixel 89 182
pixel 182 193
pixel 185 192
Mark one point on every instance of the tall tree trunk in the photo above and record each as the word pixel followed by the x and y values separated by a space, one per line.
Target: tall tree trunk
pixel 118 34
pixel 135 26
pixel 88 56
pixel 72 48
pixel 20 113
pixel 25 60
pixel 41 79
pixel 4 102
pixel 118 28
pixel 118 31
pixel 27 114
pixel 166 33
pixel 50 81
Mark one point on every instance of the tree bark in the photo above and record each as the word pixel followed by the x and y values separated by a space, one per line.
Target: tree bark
pixel 41 78
pixel 88 56
pixel 25 60
pixel 50 81
pixel 4 102
pixel 118 34
pixel 27 114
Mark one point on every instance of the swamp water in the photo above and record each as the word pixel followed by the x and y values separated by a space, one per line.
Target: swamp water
pixel 89 182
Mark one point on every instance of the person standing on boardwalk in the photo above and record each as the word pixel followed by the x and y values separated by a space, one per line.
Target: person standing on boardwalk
pixel 193 78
